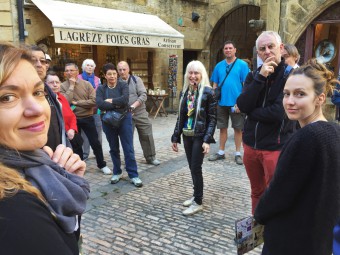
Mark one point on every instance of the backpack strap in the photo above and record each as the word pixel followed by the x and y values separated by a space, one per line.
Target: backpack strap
pixel 133 78
pixel 287 72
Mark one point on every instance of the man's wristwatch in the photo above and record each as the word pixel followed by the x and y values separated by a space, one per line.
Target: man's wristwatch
pixel 132 108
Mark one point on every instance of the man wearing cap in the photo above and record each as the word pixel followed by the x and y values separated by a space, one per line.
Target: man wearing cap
pixel 48 61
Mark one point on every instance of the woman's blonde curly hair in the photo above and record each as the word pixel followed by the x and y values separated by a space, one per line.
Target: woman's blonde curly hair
pixel 11 182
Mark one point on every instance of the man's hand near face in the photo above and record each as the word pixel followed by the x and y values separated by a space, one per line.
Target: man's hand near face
pixel 71 73
pixel 72 81
pixel 268 66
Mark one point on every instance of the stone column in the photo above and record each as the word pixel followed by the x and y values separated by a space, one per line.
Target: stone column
pixel 270 11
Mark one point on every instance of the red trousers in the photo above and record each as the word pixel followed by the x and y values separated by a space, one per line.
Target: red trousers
pixel 260 166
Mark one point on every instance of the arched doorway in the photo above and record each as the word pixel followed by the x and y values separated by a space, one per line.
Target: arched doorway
pixel 234 26
pixel 324 27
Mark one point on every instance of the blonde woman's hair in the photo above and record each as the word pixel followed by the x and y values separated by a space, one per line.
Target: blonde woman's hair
pixel 195 66
pixel 10 57
pixel 11 182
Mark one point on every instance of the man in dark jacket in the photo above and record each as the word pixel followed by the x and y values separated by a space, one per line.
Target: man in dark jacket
pixel 265 129
pixel 56 132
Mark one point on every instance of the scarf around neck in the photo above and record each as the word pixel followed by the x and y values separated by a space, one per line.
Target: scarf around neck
pixel 191 104
pixel 65 193
pixel 89 78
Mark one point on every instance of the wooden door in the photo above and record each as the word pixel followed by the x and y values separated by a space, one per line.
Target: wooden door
pixel 234 26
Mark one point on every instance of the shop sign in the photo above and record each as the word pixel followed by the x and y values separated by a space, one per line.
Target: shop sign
pixel 73 36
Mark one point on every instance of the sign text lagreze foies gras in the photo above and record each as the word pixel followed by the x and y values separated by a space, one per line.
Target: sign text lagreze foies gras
pixel 117 39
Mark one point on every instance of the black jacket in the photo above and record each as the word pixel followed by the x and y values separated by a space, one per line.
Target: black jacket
pixel 266 127
pixel 205 123
pixel 119 95
pixel 28 227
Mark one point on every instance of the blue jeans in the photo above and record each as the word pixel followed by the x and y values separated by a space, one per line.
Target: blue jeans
pixel 194 152
pixel 124 133
pixel 88 126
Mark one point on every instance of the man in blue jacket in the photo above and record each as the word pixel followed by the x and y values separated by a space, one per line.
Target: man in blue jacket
pixel 266 129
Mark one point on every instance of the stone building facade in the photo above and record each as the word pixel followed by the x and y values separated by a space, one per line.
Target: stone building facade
pixel 205 24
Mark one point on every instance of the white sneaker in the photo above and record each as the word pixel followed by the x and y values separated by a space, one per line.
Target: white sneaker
pixel 106 170
pixel 137 182
pixel 188 202
pixel 194 208
pixel 154 162
pixel 115 178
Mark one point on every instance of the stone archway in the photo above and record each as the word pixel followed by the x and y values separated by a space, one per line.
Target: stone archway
pixel 234 26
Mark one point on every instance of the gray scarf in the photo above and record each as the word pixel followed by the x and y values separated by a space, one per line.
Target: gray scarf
pixel 65 193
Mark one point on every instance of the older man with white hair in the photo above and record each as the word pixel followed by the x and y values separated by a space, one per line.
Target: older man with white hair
pixel 266 129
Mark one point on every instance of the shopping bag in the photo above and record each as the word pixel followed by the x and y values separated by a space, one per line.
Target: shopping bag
pixel 248 234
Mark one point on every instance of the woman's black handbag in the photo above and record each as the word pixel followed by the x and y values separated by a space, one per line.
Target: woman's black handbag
pixel 112 118
pixel 217 92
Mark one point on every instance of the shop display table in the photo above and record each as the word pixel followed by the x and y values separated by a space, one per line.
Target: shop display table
pixel 157 104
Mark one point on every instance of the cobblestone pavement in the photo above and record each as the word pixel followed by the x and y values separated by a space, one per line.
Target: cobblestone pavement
pixel 122 219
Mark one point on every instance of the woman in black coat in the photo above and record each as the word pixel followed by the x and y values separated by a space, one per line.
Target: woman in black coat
pixel 197 121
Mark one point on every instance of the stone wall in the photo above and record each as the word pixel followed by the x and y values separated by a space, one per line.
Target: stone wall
pixel 296 15
pixel 40 26
pixel 6 21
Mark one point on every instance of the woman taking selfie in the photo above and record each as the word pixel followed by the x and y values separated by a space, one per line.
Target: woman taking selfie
pixel 196 121
pixel 302 203
pixel 39 199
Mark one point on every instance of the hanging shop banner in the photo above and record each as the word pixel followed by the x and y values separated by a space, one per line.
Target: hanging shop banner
pixel 172 72
pixel 73 36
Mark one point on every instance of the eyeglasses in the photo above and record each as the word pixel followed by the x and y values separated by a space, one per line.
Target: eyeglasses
pixel 70 71
pixel 42 61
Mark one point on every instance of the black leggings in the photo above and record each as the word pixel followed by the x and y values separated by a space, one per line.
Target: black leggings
pixel 194 152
